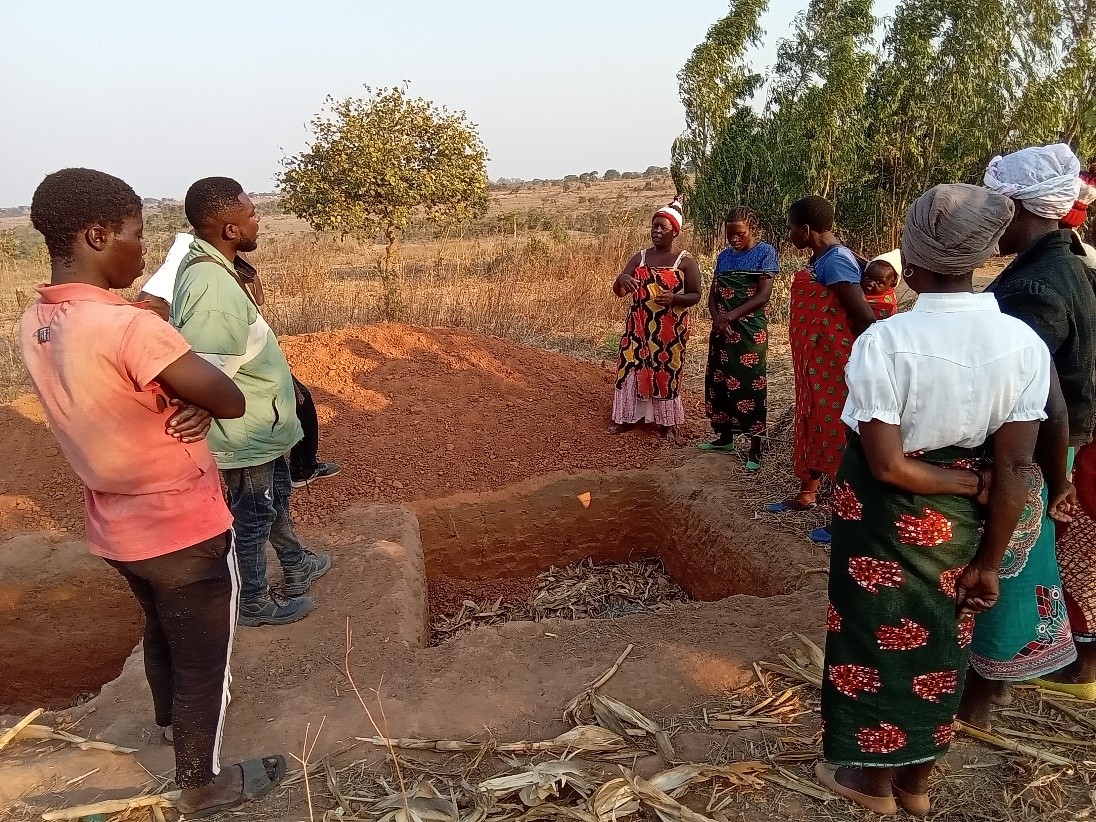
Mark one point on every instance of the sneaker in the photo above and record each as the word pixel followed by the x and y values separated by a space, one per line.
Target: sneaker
pixel 298 579
pixel 273 609
pixel 323 470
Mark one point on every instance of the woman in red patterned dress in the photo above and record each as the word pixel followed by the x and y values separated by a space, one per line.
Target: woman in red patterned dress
pixel 828 311
pixel 663 287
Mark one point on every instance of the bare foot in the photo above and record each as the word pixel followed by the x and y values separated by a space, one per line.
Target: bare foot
pixel 1002 695
pixel 976 713
pixel 977 701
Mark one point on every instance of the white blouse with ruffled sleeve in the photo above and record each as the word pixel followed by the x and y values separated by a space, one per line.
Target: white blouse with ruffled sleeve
pixel 948 373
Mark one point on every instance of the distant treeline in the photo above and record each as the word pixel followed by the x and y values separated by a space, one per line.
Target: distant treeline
pixel 611 175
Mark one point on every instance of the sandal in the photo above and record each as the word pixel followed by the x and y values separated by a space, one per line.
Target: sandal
pixel 826 774
pixel 1080 690
pixel 821 536
pixel 619 428
pixel 259 778
pixel 790 504
pixel 752 466
pixel 712 446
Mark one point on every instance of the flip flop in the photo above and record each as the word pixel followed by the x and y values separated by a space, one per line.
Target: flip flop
pixel 752 466
pixel 711 446
pixel 791 504
pixel 826 774
pixel 1081 690
pixel 260 777
pixel 821 535
pixel 915 804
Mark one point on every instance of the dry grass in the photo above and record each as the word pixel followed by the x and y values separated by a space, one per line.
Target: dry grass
pixel 540 288
pixel 584 590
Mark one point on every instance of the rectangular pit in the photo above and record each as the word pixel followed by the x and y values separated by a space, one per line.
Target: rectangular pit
pixel 483 546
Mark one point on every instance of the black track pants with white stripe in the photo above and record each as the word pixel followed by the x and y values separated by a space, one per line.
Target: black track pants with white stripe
pixel 190 599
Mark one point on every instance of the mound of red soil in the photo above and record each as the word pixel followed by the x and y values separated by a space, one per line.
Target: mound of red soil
pixel 416 413
pixel 411 413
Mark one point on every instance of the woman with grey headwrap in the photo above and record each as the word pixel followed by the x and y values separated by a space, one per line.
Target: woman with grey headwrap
pixel 932 393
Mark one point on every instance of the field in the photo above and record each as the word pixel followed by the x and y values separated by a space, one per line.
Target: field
pixel 495 552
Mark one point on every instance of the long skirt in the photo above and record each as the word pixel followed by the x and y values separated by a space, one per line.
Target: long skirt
pixel 896 654
pixel 1027 633
pixel 1075 551
pixel 1075 556
pixel 629 407
pixel 736 381
pixel 821 340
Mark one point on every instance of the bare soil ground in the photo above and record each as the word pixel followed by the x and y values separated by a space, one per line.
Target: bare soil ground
pixel 465 458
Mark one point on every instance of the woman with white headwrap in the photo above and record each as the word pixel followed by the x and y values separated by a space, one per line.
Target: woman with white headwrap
pixel 663 286
pixel 1029 635
pixel 914 556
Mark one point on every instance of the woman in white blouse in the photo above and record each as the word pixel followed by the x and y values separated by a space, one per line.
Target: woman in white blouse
pixel 931 393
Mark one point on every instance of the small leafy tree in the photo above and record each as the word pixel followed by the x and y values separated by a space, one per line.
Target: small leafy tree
pixel 377 161
pixel 611 175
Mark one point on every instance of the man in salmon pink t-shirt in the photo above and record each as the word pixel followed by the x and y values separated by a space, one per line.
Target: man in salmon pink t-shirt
pixel 130 404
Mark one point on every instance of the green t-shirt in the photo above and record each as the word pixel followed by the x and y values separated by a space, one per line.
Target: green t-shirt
pixel 223 326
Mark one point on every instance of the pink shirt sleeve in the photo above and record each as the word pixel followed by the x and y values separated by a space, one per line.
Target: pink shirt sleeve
pixel 148 347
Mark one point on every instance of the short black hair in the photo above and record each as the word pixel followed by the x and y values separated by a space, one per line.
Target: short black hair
pixel 743 214
pixel 74 199
pixel 209 198
pixel 814 212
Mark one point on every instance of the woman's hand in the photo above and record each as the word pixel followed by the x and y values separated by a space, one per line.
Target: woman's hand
pixel 626 283
pixel 666 298
pixel 985 477
pixel 977 590
pixel 1062 505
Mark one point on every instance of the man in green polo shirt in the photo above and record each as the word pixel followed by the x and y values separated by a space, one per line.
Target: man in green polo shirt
pixel 215 311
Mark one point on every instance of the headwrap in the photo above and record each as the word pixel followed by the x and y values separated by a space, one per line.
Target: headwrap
pixel 891 258
pixel 953 229
pixel 1046 179
pixel 1076 216
pixel 671 212
pixel 1079 213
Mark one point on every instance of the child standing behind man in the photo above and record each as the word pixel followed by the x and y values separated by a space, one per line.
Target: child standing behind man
pixel 217 314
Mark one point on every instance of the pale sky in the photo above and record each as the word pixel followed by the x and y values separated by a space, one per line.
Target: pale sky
pixel 161 93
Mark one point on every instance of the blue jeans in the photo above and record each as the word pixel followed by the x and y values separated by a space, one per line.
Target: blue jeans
pixel 258 497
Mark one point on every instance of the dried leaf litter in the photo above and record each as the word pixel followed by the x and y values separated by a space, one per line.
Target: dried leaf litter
pixel 585 590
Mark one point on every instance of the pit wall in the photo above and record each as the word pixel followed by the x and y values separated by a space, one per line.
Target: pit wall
pixel 713 551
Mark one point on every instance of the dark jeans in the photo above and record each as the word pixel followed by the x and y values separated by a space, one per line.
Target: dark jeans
pixel 190 599
pixel 259 500
pixel 302 459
